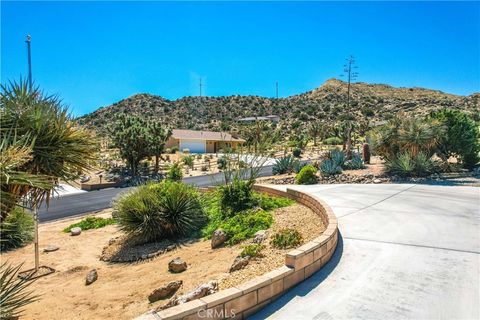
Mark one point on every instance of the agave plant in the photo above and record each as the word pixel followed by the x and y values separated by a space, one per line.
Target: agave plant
pixel 329 167
pixel 13 296
pixel 285 165
pixel 338 157
pixel 403 165
pixel 354 163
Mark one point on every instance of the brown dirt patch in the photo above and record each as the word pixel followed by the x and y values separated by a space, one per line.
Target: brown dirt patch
pixel 121 289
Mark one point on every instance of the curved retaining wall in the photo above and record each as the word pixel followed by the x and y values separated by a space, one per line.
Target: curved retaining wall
pixel 242 301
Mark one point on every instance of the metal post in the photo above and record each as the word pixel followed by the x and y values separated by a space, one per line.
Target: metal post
pixel 29 38
pixel 37 257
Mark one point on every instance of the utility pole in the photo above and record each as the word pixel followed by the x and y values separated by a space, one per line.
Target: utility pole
pixel 276 89
pixel 350 74
pixel 200 86
pixel 28 40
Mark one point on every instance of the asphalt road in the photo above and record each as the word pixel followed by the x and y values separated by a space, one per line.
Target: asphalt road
pixel 82 203
pixel 405 252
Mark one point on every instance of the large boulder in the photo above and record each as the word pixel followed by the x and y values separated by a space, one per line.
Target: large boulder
pixel 75 231
pixel 239 263
pixel 199 292
pixel 165 291
pixel 92 276
pixel 218 238
pixel 177 265
pixel 260 236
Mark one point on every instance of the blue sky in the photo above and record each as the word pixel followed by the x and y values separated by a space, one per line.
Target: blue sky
pixel 95 53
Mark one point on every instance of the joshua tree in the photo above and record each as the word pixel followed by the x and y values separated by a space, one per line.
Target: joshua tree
pixel 51 147
pixel 315 130
pixel 157 138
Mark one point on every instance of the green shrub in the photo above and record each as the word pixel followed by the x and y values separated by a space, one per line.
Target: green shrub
pixel 329 167
pixel 286 238
pixel 158 211
pixel 354 163
pixel 16 230
pixel 175 172
pixel 333 141
pixel 188 161
pixel 204 168
pixel 307 175
pixel 297 152
pixel 91 223
pixel 284 165
pixel 298 166
pixel 174 149
pixel 245 224
pixel 236 196
pixel 222 163
pixel 252 250
pixel 267 202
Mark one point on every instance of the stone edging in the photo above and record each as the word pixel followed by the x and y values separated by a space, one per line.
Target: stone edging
pixel 244 300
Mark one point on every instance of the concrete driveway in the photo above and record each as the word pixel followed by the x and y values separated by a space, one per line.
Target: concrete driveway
pixel 405 252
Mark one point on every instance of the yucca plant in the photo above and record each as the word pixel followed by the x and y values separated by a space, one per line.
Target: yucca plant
pixel 285 165
pixel 329 167
pixel 403 165
pixel 13 296
pixel 159 211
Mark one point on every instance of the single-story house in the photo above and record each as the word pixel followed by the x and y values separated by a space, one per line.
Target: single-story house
pixel 202 141
pixel 273 118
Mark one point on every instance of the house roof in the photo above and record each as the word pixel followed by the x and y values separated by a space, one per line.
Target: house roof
pixel 204 135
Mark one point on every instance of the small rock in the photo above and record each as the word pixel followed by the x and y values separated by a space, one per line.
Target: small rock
pixel 177 265
pixel 75 231
pixel 50 248
pixel 92 276
pixel 218 238
pixel 239 263
pixel 199 292
pixel 170 247
pixel 377 181
pixel 260 236
pixel 165 291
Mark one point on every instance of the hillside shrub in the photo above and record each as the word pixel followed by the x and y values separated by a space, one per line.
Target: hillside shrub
pixel 165 210
pixel 236 196
pixel 91 223
pixel 175 172
pixel 333 141
pixel 307 175
pixel 297 152
pixel 286 238
pixel 16 230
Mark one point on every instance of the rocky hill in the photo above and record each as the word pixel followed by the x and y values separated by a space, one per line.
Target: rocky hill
pixel 375 102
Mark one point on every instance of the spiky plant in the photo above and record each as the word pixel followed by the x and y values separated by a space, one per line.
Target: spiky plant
pixel 13 296
pixel 329 167
pixel 284 165
pixel 159 211
pixel 337 156
pixel 403 165
pixel 354 163
pixel 53 146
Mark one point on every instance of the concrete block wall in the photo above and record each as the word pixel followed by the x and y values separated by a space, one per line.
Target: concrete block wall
pixel 246 299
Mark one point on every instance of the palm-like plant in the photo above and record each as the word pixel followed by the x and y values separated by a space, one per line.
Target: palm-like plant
pixel 54 146
pixel 13 296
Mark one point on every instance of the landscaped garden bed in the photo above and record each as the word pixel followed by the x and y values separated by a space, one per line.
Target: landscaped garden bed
pixel 122 289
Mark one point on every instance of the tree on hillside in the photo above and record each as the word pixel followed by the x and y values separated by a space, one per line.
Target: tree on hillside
pixel 315 130
pixel 461 138
pixel 41 145
pixel 158 135
pixel 130 135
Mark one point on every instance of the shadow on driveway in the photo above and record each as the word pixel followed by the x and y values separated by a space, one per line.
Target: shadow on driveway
pixel 303 288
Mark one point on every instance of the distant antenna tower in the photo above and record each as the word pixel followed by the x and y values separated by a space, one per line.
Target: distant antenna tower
pixel 200 86
pixel 350 73
pixel 276 89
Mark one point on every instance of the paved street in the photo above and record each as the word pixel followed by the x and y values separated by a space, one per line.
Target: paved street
pixel 406 252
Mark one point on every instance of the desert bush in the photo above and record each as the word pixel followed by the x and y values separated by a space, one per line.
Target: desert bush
pixel 252 250
pixel 188 161
pixel 267 202
pixel 91 223
pixel 174 149
pixel 13 296
pixel 332 141
pixel 406 165
pixel 286 238
pixel 284 165
pixel 222 163
pixel 158 211
pixel 204 168
pixel 16 230
pixel 245 224
pixel 198 157
pixel 175 172
pixel 297 152
pixel 329 167
pixel 236 196
pixel 307 175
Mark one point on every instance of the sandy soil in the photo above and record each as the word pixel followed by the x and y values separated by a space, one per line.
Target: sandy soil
pixel 121 289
